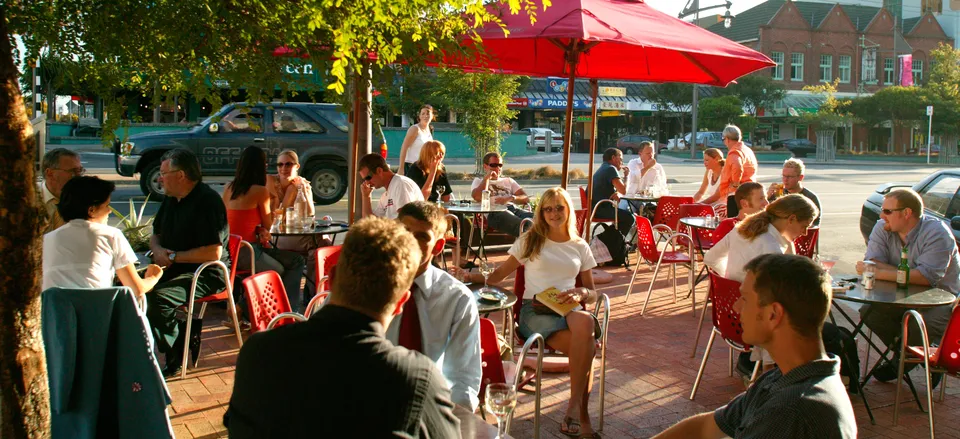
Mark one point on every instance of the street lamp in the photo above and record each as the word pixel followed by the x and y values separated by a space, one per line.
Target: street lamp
pixel 693 8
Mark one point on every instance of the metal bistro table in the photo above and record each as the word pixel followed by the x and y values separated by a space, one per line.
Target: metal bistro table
pixel 634 200
pixel 476 210
pixel 485 307
pixel 318 230
pixel 884 293
pixel 473 426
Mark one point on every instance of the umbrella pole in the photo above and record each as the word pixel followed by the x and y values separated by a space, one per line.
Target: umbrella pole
pixel 354 151
pixel 572 54
pixel 594 86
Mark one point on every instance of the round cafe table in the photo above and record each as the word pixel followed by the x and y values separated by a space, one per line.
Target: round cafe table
pixel 475 209
pixel 485 307
pixel 635 201
pixel 316 231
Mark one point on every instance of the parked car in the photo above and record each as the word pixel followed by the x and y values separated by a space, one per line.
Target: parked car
pixel 318 132
pixel 799 147
pixel 630 144
pixel 940 199
pixel 934 150
pixel 537 138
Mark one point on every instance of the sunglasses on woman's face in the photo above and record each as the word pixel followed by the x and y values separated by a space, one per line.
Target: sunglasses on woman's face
pixel 558 208
pixel 285 164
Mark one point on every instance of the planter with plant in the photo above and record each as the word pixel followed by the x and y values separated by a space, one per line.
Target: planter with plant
pixel 134 228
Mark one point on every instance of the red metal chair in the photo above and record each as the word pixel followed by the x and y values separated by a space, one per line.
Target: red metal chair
pixel 648 251
pixel 326 263
pixel 702 237
pixel 944 358
pixel 726 323
pixel 226 295
pixel 725 227
pixel 453 243
pixel 495 369
pixel 581 217
pixel 267 302
pixel 668 211
pixel 544 349
pixel 593 218
pixel 806 245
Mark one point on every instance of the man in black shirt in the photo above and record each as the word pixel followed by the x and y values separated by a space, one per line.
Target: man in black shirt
pixel 608 185
pixel 189 229
pixel 792 175
pixel 785 300
pixel 360 385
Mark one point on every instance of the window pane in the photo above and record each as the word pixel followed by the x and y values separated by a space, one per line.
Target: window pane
pixel 291 121
pixel 845 69
pixel 242 120
pixel 888 71
pixel 335 117
pixel 777 57
pixel 917 71
pixel 826 68
pixel 796 67
pixel 938 195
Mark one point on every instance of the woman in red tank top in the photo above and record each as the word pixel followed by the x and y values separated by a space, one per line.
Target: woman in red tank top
pixel 249 214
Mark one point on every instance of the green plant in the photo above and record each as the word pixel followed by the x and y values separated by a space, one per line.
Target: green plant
pixel 133 226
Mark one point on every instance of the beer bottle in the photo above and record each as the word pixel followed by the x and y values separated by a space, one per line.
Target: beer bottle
pixel 903 270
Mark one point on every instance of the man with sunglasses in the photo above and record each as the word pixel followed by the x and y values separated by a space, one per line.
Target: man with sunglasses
pixel 792 178
pixel 933 259
pixel 503 190
pixel 59 166
pixel 400 190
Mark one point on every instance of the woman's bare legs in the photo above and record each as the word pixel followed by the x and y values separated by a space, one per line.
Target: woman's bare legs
pixel 579 344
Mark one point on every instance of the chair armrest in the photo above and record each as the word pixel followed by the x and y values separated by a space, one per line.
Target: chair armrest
pixel 524 221
pixel 905 340
pixel 285 315
pixel 537 339
pixel 316 303
pixel 456 221
pixel 593 214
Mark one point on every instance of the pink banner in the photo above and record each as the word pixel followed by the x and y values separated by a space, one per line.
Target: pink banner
pixel 906 70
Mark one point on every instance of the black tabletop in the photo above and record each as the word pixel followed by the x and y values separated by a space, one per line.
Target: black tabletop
pixel 886 293
pixel 485 306
pixel 331 229
pixel 698 222
pixel 475 208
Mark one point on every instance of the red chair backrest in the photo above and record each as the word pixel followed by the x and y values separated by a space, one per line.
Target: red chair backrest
pixel 326 264
pixel 583 198
pixel 266 298
pixel 646 242
pixel 806 244
pixel 704 236
pixel 668 210
pixel 233 249
pixel 725 293
pixel 581 220
pixel 490 363
pixel 519 287
pixel 725 227
pixel 948 356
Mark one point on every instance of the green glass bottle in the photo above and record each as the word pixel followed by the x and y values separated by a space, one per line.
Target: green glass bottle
pixel 903 270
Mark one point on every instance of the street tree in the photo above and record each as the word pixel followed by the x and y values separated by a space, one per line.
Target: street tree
pixel 902 106
pixel 832 114
pixel 483 99
pixel 672 100
pixel 756 91
pixel 942 91
pixel 718 112
pixel 255 45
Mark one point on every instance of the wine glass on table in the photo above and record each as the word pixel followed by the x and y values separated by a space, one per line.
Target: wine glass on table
pixel 500 400
pixel 439 191
pixel 486 269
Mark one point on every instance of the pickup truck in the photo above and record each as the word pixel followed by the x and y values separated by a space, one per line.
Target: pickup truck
pixel 317 132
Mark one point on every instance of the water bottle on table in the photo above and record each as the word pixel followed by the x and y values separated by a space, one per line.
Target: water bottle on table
pixel 485 200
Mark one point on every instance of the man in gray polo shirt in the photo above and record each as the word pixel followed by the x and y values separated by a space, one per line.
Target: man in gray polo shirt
pixel 785 299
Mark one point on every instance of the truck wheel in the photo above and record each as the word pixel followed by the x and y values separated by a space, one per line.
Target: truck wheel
pixel 329 182
pixel 150 181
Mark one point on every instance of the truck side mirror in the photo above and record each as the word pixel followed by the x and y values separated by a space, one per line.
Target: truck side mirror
pixel 213 128
pixel 955 223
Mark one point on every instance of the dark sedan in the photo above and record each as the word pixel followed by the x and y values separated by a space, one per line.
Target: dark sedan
pixel 799 147
pixel 940 199
pixel 631 144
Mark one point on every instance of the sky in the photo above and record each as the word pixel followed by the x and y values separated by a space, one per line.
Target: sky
pixel 673 7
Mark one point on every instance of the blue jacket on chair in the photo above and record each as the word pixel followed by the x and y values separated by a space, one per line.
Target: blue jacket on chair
pixel 104 378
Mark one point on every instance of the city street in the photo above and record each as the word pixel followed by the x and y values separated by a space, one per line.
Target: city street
pixel 841 188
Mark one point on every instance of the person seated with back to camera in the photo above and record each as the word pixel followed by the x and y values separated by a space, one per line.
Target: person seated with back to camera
pixel 607 185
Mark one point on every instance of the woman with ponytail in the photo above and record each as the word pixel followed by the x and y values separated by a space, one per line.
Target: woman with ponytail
pixel 713 162
pixel 771 230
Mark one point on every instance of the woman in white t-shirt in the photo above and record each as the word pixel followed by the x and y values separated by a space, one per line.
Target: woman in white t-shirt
pixel 553 256
pixel 86 252
pixel 713 163
pixel 417 135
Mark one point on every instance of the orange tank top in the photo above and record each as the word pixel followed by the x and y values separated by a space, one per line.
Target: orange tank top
pixel 244 222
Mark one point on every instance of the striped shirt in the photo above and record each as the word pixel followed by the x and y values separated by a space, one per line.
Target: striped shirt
pixel 810 401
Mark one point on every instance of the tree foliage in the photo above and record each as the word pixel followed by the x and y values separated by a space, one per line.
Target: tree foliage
pixel 755 91
pixel 715 113
pixel 833 112
pixel 901 105
pixel 942 90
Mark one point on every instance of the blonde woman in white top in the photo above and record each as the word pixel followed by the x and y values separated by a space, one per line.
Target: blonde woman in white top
pixel 417 135
pixel 553 256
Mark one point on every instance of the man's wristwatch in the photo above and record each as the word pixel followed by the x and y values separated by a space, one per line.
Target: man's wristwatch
pixel 173 257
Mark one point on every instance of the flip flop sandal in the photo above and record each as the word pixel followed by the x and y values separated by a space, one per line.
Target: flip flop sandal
pixel 569 422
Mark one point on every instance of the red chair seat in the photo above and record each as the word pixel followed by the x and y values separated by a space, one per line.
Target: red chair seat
pixel 676 257
pixel 917 351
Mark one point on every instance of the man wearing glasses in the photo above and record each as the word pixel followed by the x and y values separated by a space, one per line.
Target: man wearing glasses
pixel 400 190
pixel 59 166
pixel 793 172
pixel 932 257
pixel 741 166
pixel 503 190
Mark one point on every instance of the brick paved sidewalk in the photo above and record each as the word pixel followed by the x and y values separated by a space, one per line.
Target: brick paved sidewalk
pixel 649 377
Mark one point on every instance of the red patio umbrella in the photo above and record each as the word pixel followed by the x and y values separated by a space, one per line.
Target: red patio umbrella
pixel 614 40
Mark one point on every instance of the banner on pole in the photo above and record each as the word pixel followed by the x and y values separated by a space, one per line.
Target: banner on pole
pixel 906 70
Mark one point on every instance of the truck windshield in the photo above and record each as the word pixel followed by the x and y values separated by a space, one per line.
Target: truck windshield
pixel 335 117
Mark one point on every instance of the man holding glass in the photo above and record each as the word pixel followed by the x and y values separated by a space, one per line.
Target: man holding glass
pixel 359 384
pixel 503 190
pixel 792 178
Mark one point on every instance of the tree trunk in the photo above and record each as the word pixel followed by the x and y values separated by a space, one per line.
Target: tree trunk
pixel 23 368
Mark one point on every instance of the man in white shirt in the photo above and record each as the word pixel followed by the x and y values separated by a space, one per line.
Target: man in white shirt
pixel 399 191
pixel 441 310
pixel 644 172
pixel 503 190
pixel 59 166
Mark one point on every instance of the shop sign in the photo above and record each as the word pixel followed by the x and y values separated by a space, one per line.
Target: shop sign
pixel 584 119
pixel 519 103
pixel 557 85
pixel 613 105
pixel 578 104
pixel 613 91
pixel 609 113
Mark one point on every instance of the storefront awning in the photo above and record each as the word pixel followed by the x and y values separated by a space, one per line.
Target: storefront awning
pixel 556 101
pixel 794 105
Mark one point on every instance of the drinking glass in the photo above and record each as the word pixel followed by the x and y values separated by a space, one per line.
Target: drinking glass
pixel 486 269
pixel 439 191
pixel 309 222
pixel 500 400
